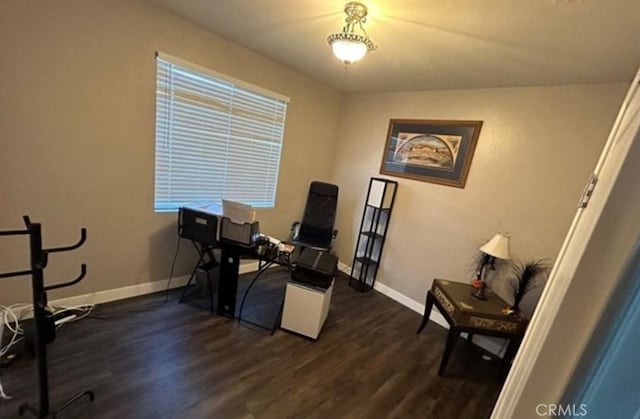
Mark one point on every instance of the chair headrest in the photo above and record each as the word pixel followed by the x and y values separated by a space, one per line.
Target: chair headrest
pixel 322 188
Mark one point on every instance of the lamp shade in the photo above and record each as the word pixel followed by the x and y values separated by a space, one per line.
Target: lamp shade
pixel 497 247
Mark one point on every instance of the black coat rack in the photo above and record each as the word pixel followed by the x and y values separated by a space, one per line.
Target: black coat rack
pixel 44 322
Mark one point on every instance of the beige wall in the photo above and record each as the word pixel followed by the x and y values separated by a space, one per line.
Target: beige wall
pixel 535 152
pixel 77 117
pixel 77 109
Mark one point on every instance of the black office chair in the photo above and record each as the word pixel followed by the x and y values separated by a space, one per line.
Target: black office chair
pixel 316 230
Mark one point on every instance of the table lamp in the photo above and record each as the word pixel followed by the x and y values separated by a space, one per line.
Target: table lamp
pixel 497 247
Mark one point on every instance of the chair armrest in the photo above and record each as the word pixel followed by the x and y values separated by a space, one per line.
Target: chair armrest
pixel 295 230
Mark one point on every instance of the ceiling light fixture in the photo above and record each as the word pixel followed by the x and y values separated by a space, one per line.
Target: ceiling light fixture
pixel 350 46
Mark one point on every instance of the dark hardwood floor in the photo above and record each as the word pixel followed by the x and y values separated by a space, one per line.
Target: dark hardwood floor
pixel 180 361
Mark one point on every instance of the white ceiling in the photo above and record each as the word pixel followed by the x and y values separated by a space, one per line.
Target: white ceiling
pixel 437 44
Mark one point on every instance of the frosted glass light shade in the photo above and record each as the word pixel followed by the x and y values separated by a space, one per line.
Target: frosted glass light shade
pixel 498 247
pixel 349 51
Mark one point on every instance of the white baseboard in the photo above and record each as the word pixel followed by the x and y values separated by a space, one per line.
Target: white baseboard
pixel 101 297
pixel 115 294
pixel 248 267
pixel 491 345
pixel 410 303
pixel 344 268
pixel 107 296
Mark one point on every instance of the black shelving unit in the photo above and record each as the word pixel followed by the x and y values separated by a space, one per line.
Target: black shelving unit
pixel 373 232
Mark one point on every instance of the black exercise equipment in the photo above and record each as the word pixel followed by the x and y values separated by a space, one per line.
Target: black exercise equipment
pixel 44 323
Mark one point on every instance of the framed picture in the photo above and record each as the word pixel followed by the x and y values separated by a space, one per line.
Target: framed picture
pixel 430 151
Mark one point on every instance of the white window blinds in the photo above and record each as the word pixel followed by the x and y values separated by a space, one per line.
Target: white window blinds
pixel 216 138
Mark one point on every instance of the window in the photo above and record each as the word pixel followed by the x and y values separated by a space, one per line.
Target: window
pixel 216 137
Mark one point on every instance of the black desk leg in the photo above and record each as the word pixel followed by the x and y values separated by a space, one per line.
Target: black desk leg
pixel 228 282
pixel 427 311
pixel 452 337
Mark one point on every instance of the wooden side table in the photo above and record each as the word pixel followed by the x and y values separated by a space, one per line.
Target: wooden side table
pixel 467 314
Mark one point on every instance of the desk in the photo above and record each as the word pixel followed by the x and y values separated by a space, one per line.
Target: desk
pixel 230 254
pixel 236 240
pixel 467 314
pixel 229 271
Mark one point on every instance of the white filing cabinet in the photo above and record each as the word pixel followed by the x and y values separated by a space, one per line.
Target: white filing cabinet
pixel 305 308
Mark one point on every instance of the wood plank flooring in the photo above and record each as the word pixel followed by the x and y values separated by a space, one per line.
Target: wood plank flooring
pixel 180 361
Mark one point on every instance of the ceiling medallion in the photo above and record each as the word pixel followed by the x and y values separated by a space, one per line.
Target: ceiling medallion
pixel 353 43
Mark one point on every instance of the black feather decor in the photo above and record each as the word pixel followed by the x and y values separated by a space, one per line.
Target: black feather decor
pixel 525 274
pixel 480 259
